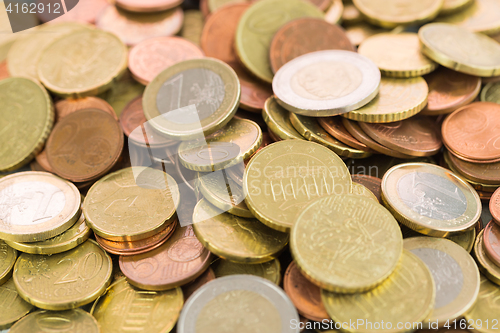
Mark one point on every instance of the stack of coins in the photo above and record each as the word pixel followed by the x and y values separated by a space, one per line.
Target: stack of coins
pixel 228 165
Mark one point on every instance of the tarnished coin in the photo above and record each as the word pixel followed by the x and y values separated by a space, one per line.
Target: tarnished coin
pixel 68 321
pixel 347 218
pixel 397 99
pixel 266 307
pixel 235 238
pixel 326 83
pixel 147 6
pixel 494 206
pixel 278 121
pixel 486 308
pixel 450 90
pixel 270 270
pixel 455 274
pixel 492 242
pixel 391 13
pixel 192 98
pixel 65 107
pixel 64 67
pixel 84 145
pixel 303 36
pixel 8 258
pixel 397 55
pixel 152 56
pixel 297 172
pixel 26 120
pixel 13 306
pixel 133 28
pixel 179 261
pixel 44 280
pixel 334 127
pixel 36 206
pixel 485 264
pixel 430 199
pixel 258 26
pixel 117 310
pixel 459 49
pixel 485 173
pixel 411 287
pixel 479 16
pixel 373 184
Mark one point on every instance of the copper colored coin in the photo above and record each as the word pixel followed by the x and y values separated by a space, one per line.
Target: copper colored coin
pixel 178 261
pixel 321 4
pixel 205 10
pixel 495 206
pixel 470 160
pixel 473 131
pixel 85 11
pixel 84 145
pixel 217 40
pixel 4 72
pixel 273 136
pixel 303 36
pixel 150 6
pixel 335 127
pixel 355 130
pixel 374 184
pixel 491 79
pixel 41 158
pixel 137 247
pixel 485 196
pixel 149 58
pixel 449 90
pixel 304 294
pixel 415 136
pixel 190 288
pixel 484 173
pixel 492 242
pixel 66 106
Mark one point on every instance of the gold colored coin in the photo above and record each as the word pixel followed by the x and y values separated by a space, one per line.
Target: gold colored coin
pixel 281 179
pixel 479 16
pixel 397 99
pixel 486 266
pixel 257 27
pixel 192 26
pixel 82 63
pixel 455 274
pixel 454 6
pixel 483 316
pixel 231 145
pixel 66 280
pixel 391 13
pixel 363 191
pixel 407 296
pixel 69 321
pixel 430 199
pixel 122 92
pixel 125 308
pixel 235 238
pixel 357 228
pixel 12 307
pixel 26 120
pixel 270 270
pixel 460 49
pixel 491 92
pixel 66 241
pixel 310 129
pixel 333 14
pixel 131 204
pixel 397 55
pixel 8 258
pixel 36 206
pixel 277 120
pixel 359 32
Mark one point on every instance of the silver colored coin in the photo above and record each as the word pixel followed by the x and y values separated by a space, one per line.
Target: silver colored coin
pixel 228 304
pixel 326 83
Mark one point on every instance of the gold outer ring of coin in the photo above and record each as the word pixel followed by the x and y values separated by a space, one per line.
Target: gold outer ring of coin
pixel 486 266
pixel 9 259
pixel 273 114
pixel 420 223
pixel 486 308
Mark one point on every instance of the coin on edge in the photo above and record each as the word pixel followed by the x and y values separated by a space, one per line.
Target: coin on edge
pixel 149 6
pixel 334 127
pixel 485 310
pixel 485 264
pixel 270 270
pixel 13 306
pixel 494 206
pixel 68 321
pixel 326 83
pixel 278 120
pixel 8 257
pixel 492 242
pixel 484 173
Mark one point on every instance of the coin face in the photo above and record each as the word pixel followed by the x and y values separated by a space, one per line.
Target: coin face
pixel 485 264
pixel 206 95
pixel 495 205
pixel 430 199
pixel 491 92
pixel 147 7
pixel 492 241
pixel 36 206
pixel 75 320
pixel 326 83
pixel 244 303
pixel 14 307
pixel 278 120
pixel 486 307
pixel 296 172
pixel 455 274
pixel 359 189
pixel 270 270
pixel 453 6
pixel 479 16
pixel 44 280
pixel 8 258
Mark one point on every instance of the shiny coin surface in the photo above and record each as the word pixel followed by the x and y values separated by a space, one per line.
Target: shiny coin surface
pixel 147 6
pixel 257 28
pixel 116 311
pixel 479 16
pixel 111 206
pixel 69 321
pixel 26 120
pixel 326 83
pixel 486 308
pixel 221 300
pixel 179 261
pixel 334 127
pixel 206 91
pixel 64 67
pixel 461 50
pixel 297 172
pixel 36 206
pixel 397 99
pixel 235 238
pixel 14 307
pixel 8 258
pixel 44 280
pixel 270 270
pixel 492 242
pixel 411 287
pixel 485 264
pixel 397 55
pixel 278 120
pixel 430 199
pixel 347 218
pixel 65 107
pixel 495 206
pixel 455 274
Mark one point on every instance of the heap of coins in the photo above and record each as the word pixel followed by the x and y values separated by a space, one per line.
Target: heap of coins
pixel 270 166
